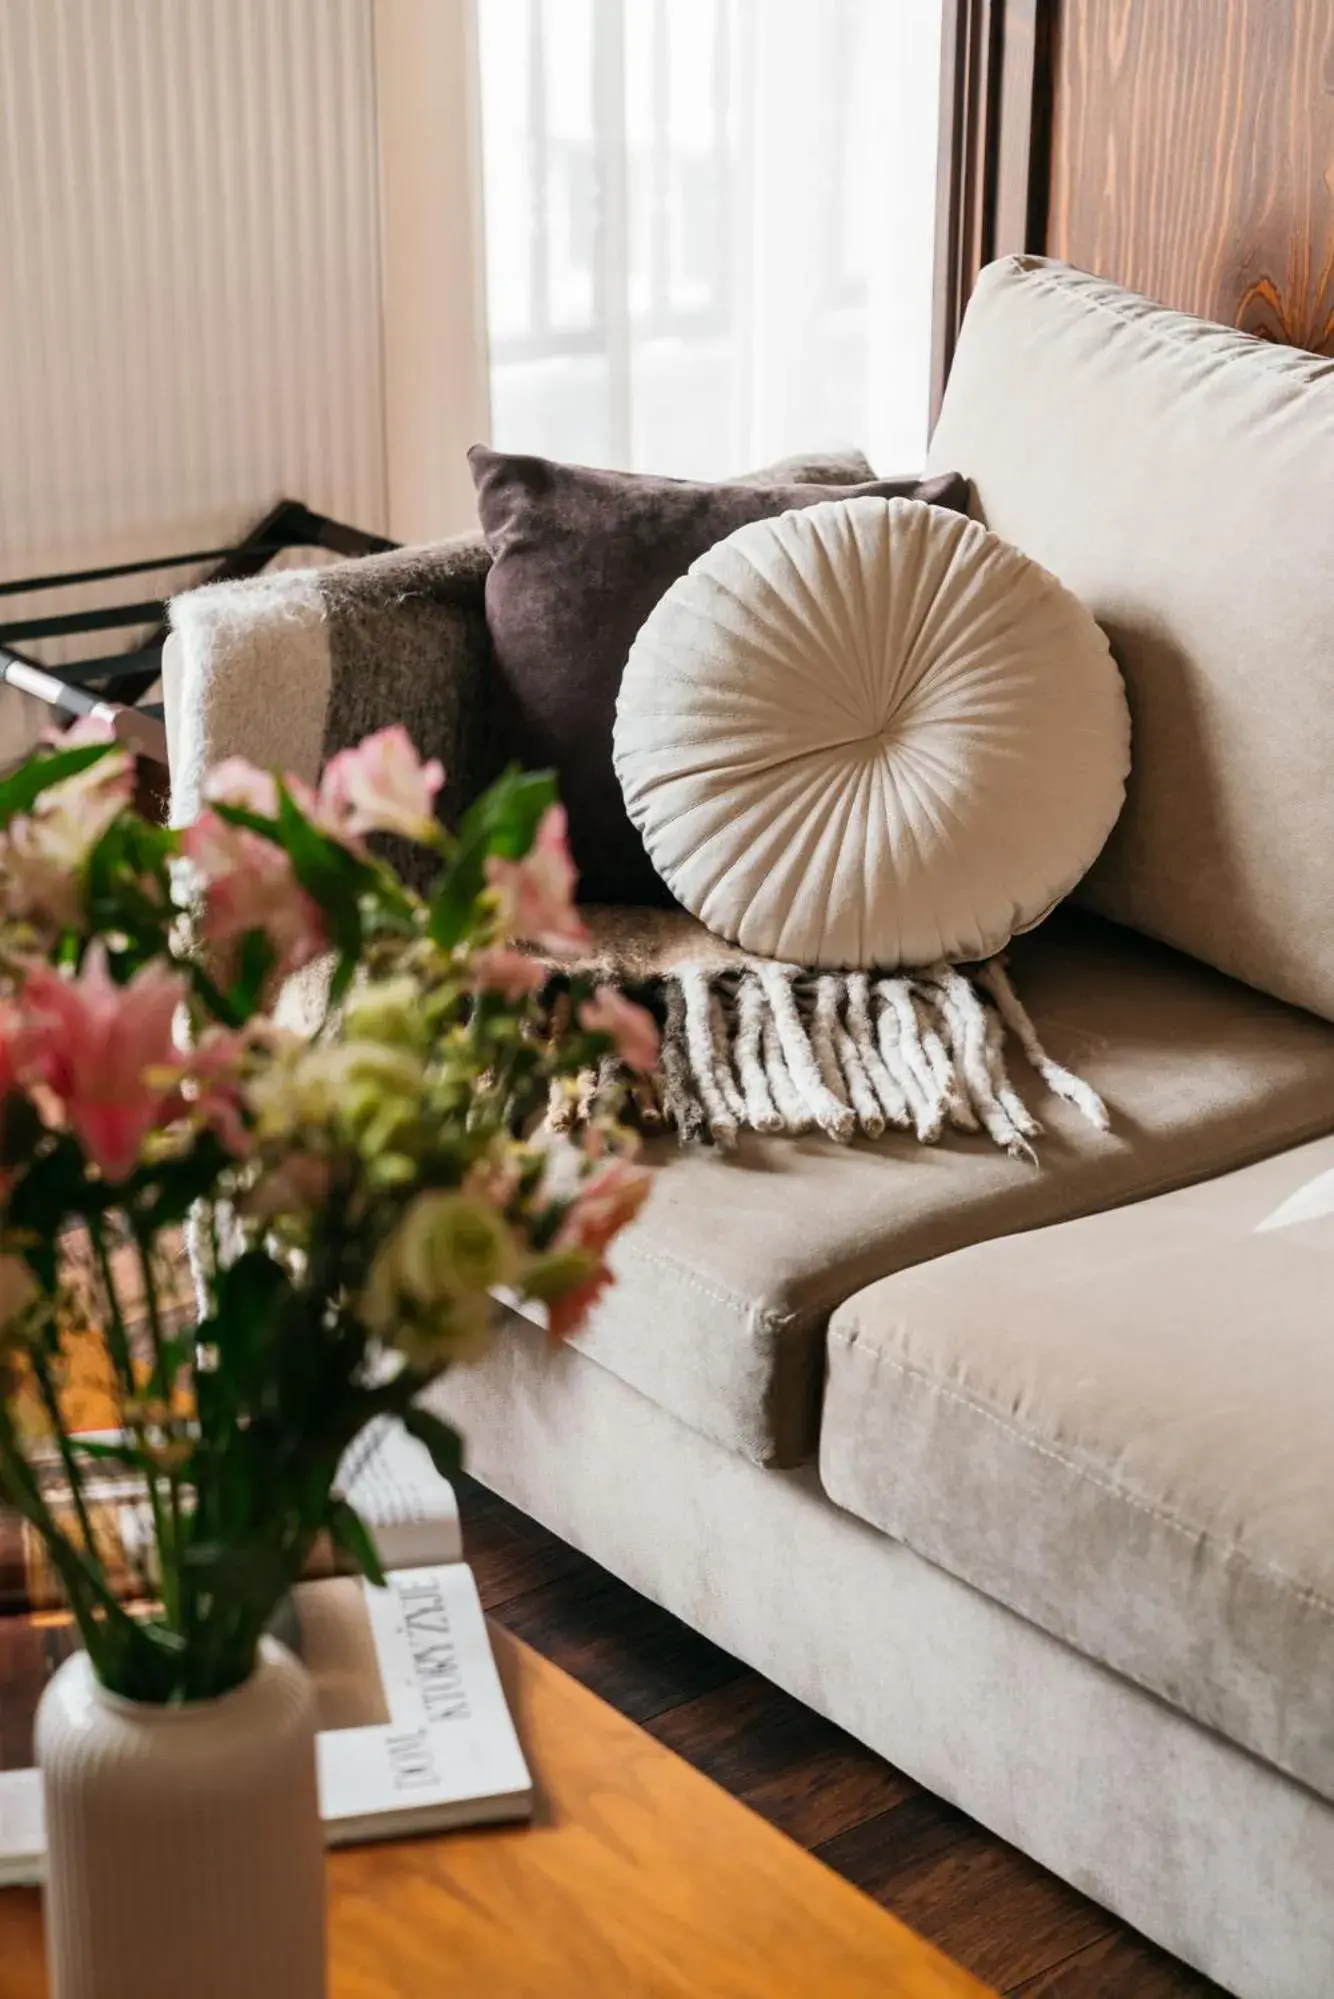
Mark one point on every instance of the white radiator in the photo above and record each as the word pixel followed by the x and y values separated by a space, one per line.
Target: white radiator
pixel 190 303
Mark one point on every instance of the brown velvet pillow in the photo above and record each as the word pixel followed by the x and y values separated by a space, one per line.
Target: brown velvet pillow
pixel 580 558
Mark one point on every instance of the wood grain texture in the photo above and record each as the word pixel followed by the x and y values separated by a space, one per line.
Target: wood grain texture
pixel 638 1877
pixel 934 1866
pixel 1120 1966
pixel 787 1763
pixel 621 1646
pixel 1192 157
pixel 979 1900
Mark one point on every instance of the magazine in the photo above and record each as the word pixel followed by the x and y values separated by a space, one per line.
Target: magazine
pixel 415 1734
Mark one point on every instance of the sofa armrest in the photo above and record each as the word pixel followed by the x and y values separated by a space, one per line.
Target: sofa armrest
pixel 287 668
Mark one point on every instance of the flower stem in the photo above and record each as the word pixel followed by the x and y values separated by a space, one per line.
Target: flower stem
pixel 168 1558
pixel 81 1578
pixel 73 1470
pixel 119 1341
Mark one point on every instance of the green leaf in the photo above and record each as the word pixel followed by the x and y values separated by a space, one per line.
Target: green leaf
pixel 348 1531
pixel 126 1454
pixel 162 1195
pixel 253 1287
pixel 503 821
pixel 21 1129
pixel 444 1444
pixel 218 1002
pixel 330 875
pixel 255 960
pixel 252 1295
pixel 508 815
pixel 253 822
pixel 56 1185
pixel 21 791
pixel 453 906
pixel 344 974
pixel 256 1576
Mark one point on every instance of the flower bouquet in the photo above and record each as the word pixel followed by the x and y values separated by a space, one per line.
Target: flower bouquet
pixel 355 1192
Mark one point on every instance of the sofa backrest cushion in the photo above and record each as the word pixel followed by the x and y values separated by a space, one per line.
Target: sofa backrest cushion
pixel 1179 477
pixel 580 559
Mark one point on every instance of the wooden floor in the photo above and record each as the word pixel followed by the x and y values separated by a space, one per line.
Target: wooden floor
pixel 995 1912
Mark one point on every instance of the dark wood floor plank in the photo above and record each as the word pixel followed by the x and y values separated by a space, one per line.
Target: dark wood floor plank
pixel 786 1762
pixel 982 1902
pixel 629 1652
pixel 1121 1965
pixel 979 1900
pixel 510 1554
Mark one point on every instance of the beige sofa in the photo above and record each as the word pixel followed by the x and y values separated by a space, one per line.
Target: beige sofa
pixel 1023 1475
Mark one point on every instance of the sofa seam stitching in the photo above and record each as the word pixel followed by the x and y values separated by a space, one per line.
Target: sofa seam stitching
pixel 1151 321
pixel 763 1315
pixel 1151 1190
pixel 1229 1551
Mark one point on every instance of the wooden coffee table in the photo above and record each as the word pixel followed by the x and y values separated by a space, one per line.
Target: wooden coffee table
pixel 638 1879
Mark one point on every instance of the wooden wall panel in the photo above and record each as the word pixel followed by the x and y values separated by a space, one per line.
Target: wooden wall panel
pixel 1192 156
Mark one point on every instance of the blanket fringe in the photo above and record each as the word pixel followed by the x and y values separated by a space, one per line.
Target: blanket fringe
pixel 774 1049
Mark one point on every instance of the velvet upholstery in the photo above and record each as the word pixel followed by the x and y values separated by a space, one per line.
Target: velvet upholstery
pixel 1177 476
pixel 580 558
pixel 734 1266
pixel 870 733
pixel 1194 1841
pixel 1123 1427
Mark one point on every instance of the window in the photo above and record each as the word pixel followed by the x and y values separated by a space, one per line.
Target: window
pixel 709 227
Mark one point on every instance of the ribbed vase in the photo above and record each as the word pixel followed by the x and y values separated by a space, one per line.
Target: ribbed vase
pixel 185 1858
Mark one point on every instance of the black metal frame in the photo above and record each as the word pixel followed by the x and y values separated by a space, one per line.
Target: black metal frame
pixel 121 679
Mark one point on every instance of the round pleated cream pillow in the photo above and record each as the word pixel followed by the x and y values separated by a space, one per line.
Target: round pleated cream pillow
pixel 871 733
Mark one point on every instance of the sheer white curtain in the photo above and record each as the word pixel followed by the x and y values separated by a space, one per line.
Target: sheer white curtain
pixel 708 227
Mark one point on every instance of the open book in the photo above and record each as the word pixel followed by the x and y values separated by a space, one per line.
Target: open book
pixel 415 1735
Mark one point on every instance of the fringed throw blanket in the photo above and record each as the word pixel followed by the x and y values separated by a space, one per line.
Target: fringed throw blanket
pixel 749 1044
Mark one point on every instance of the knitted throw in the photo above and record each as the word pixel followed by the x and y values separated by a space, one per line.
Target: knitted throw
pixel 750 1044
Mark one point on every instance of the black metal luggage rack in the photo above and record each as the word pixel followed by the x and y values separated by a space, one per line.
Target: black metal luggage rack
pixel 114 684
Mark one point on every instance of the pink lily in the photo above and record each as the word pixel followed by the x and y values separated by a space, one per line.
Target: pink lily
pixel 94 1045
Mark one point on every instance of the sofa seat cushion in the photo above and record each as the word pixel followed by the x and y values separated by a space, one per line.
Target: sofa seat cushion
pixel 1123 1428
pixel 730 1274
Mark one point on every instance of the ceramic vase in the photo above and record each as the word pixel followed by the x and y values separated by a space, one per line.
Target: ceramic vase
pixel 185 1858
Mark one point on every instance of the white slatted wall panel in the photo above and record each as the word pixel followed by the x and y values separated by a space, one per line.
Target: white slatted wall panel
pixel 189 279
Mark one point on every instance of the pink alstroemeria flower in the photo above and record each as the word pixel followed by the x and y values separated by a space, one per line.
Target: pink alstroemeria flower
pixel 382 786
pixel 236 781
pixel 599 1211
pixel 249 885
pixel 43 851
pixel 97 1047
pixel 631 1027
pixel 535 894
pixel 501 969
pixel 211 1082
pixel 88 729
